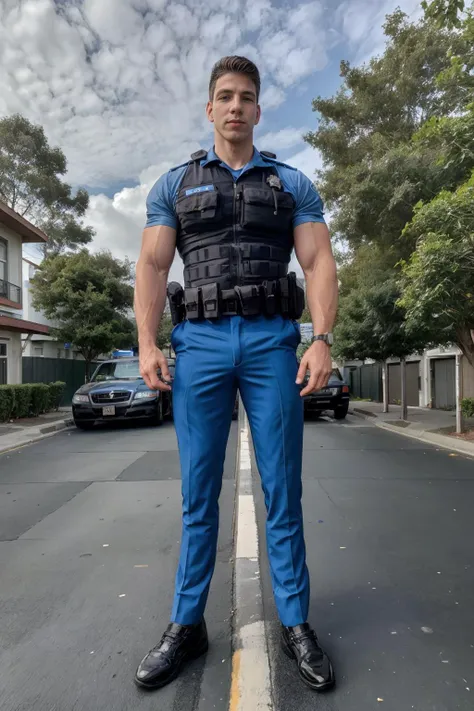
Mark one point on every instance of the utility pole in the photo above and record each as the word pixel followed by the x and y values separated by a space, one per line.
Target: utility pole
pixel 458 394
pixel 385 385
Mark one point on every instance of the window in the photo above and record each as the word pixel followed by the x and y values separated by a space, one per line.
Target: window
pixel 3 260
pixel 38 350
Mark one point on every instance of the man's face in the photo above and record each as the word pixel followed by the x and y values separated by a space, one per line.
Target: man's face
pixel 234 110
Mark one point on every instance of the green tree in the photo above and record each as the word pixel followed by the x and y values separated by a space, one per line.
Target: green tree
pixel 444 12
pixel 31 184
pixel 438 279
pixel 90 297
pixel 372 176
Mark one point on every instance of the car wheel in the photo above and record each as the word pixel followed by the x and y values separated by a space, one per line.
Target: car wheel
pixel 157 418
pixel 341 412
pixel 84 425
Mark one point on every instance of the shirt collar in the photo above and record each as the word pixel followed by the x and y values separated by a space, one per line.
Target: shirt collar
pixel 257 160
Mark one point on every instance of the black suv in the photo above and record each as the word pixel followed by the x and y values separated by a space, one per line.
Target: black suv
pixel 335 397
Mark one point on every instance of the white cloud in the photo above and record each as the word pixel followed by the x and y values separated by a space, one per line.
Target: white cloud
pixel 272 97
pixel 307 160
pixel 121 85
pixel 281 140
pixel 361 23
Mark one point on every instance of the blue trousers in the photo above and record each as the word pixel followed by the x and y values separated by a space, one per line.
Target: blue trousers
pixel 256 355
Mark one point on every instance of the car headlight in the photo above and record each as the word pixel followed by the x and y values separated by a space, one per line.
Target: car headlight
pixel 145 394
pixel 80 398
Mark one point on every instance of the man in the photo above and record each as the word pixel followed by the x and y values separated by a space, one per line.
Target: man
pixel 235 216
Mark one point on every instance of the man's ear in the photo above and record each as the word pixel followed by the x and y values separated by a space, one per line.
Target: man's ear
pixel 259 113
pixel 209 112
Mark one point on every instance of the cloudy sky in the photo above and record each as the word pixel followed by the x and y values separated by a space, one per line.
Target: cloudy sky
pixel 121 85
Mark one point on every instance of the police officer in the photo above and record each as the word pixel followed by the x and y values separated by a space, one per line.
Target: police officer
pixel 235 215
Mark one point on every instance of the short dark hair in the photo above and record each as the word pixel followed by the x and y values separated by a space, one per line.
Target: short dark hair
pixel 235 65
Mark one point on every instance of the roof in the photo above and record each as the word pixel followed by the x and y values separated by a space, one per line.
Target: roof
pixel 20 325
pixel 27 231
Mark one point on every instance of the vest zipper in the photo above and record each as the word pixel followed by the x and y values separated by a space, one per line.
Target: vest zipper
pixel 237 197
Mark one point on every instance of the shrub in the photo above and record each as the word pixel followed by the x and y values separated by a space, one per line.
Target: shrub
pixel 56 392
pixel 467 406
pixel 21 400
pixel 7 400
pixel 40 398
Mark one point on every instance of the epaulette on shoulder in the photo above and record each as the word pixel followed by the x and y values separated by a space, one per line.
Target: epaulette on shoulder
pixel 177 167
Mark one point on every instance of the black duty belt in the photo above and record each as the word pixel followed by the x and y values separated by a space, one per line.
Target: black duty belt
pixel 281 296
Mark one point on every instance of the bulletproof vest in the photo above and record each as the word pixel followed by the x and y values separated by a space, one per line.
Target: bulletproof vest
pixel 233 233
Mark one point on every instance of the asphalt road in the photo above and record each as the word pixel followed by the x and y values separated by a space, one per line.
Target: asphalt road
pixel 390 544
pixel 89 531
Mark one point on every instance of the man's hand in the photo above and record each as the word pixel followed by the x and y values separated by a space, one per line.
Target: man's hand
pixel 152 359
pixel 317 359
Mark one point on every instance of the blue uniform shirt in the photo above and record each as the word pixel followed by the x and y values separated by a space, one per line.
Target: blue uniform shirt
pixel 161 201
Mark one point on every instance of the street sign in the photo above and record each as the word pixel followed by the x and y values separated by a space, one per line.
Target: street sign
pixel 306 331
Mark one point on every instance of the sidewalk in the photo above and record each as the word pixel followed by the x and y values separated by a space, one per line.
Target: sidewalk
pixel 434 426
pixel 30 429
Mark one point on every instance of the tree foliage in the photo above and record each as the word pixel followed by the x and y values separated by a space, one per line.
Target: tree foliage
pixel 438 280
pixel 31 184
pixel 372 177
pixel 90 297
pixel 397 142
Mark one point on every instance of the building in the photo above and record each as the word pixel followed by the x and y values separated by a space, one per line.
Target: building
pixel 430 378
pixel 14 232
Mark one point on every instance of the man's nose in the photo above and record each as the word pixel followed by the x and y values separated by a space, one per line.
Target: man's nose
pixel 236 107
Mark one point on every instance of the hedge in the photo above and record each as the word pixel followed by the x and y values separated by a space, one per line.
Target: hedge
pixel 29 399
pixel 467 406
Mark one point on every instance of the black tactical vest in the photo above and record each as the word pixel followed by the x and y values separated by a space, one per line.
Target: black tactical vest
pixel 233 233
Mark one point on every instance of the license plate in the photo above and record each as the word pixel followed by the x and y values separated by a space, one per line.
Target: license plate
pixel 110 410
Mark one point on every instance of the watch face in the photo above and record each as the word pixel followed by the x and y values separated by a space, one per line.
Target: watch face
pixel 330 339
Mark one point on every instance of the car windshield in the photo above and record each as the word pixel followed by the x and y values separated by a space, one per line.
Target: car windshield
pixel 336 373
pixel 119 370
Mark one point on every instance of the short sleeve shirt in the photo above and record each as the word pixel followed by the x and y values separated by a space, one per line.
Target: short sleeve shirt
pixel 161 200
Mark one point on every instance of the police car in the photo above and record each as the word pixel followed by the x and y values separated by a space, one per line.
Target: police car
pixel 117 392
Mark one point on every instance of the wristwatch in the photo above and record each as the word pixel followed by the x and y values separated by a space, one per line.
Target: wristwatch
pixel 326 337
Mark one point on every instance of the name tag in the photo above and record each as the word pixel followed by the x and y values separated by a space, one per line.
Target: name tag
pixel 200 189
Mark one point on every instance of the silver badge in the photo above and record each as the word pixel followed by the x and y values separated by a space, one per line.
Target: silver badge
pixel 274 181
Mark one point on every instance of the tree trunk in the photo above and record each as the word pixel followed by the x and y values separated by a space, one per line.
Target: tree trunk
pixel 403 376
pixel 465 341
pixel 385 386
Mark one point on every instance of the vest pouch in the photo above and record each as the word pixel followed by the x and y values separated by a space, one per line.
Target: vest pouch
pixel 196 212
pixel 259 205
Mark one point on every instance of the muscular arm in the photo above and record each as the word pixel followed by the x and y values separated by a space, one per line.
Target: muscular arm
pixel 314 253
pixel 156 257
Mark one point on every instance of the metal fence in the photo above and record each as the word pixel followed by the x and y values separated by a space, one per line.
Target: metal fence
pixel 365 381
pixel 49 370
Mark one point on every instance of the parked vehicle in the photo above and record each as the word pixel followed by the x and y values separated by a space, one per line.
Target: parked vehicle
pixel 117 392
pixel 335 397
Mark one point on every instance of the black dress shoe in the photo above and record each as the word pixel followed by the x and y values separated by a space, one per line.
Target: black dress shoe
pixel 163 663
pixel 314 666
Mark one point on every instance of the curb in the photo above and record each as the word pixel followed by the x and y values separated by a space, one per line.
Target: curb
pixel 422 435
pixel 41 433
pixel 251 685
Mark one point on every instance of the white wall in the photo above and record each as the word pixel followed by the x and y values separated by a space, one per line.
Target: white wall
pixel 29 313
pixel 14 369
pixel 14 258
